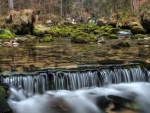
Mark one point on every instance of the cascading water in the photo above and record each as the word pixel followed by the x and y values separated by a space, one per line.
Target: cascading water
pixel 87 88
pixel 83 100
pixel 43 80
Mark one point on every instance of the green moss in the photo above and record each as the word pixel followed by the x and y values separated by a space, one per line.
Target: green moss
pixel 3 102
pixel 83 38
pixel 20 41
pixel 137 28
pixel 141 42
pixel 136 36
pixel 37 32
pixel 45 39
pixel 40 29
pixel 5 34
pixel 105 34
pixel 2 92
pixel 112 36
pixel 54 31
pixel 28 36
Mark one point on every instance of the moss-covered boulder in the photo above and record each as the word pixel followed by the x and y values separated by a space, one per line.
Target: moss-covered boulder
pixel 114 19
pixel 45 39
pixel 4 107
pixel 126 18
pixel 40 29
pixel 136 36
pixel 106 30
pixel 123 19
pixel 112 36
pixel 21 22
pixel 65 31
pixel 82 37
pixel 145 16
pixel 136 28
pixel 5 34
pixel 54 31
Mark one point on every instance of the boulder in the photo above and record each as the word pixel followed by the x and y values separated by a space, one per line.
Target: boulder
pixel 145 18
pixel 20 22
pixel 4 107
pixel 40 29
pixel 101 22
pixel 82 37
pixel 124 19
pixel 5 34
pixel 114 19
pixel 137 28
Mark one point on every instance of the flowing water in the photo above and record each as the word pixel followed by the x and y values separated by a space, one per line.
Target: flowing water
pixel 79 91
pixel 91 100
pixel 43 80
pixel 44 90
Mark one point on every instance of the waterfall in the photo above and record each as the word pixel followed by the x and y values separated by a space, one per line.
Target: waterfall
pixel 46 79
pixel 80 90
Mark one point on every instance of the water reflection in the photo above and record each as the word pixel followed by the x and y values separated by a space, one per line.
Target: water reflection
pixel 61 52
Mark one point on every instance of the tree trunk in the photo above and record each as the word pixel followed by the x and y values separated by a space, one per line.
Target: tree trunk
pixel 61 9
pixel 11 4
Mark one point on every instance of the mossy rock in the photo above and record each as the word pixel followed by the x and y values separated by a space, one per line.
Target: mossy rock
pixel 64 31
pixel 112 36
pixel 4 107
pixel 106 29
pixel 28 36
pixel 126 18
pixel 45 39
pixel 5 34
pixel 54 31
pixel 2 92
pixel 136 36
pixel 105 34
pixel 137 28
pixel 40 29
pixel 141 42
pixel 83 38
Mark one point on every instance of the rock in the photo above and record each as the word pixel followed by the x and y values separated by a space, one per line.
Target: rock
pixel 4 107
pixel 101 22
pixel 45 39
pixel 5 34
pixel 82 37
pixel 124 19
pixel 20 22
pixel 136 36
pixel 137 28
pixel 123 44
pixel 114 19
pixel 40 29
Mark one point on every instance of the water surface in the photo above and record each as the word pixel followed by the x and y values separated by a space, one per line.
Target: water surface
pixel 61 53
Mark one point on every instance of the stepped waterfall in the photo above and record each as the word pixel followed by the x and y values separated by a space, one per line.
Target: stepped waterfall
pixel 78 90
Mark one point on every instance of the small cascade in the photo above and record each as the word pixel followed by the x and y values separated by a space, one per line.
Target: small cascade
pixel 31 83
pixel 46 79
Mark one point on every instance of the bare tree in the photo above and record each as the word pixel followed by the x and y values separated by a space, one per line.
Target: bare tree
pixel 11 4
